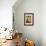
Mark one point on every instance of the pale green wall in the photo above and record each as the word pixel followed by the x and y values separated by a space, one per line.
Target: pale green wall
pixel 29 32
pixel 43 22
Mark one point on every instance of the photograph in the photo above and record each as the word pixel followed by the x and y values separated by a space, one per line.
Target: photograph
pixel 28 19
pixel 22 22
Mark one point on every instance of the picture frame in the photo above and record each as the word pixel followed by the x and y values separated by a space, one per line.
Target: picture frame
pixel 28 19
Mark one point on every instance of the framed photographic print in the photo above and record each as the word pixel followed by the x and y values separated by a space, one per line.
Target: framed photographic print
pixel 28 19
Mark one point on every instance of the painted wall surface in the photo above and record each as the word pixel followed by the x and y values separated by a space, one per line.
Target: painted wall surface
pixel 43 22
pixel 29 32
pixel 6 13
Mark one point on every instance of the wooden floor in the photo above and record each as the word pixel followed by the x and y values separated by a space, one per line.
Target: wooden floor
pixel 9 43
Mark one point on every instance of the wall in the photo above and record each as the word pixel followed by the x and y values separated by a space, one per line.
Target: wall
pixel 29 32
pixel 6 13
pixel 43 22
